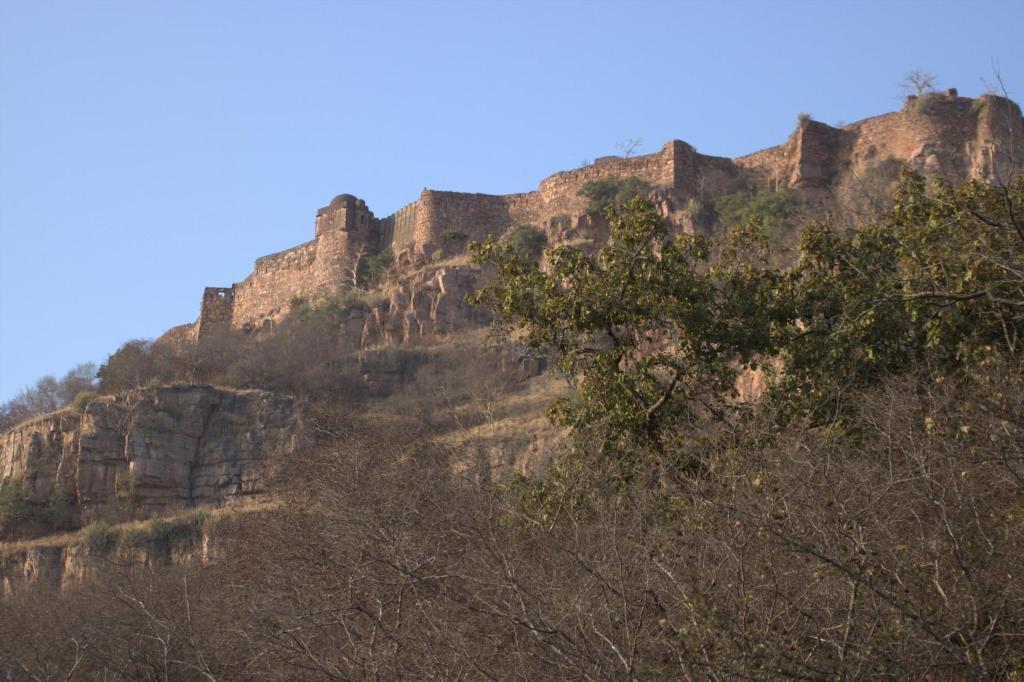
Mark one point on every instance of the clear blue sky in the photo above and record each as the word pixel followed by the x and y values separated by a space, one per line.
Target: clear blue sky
pixel 149 149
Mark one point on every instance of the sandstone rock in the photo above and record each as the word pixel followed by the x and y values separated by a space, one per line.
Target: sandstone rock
pixel 69 565
pixel 426 307
pixel 150 451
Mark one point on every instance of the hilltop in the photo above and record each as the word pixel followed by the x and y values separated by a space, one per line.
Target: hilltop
pixel 748 417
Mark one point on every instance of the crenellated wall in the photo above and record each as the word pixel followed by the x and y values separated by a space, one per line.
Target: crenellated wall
pixel 438 222
pixel 398 230
pixel 316 269
pixel 676 172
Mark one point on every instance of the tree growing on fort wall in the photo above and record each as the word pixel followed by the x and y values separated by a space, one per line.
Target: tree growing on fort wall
pixel 353 265
pixel 629 146
pixel 918 82
pixel 608 192
pixel 526 241
pixel 376 267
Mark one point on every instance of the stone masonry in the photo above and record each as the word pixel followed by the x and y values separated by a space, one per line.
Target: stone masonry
pixel 945 135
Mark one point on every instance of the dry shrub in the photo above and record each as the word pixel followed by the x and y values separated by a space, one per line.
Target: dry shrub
pixel 882 546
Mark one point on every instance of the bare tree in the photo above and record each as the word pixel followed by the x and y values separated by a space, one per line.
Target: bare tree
pixel 918 82
pixel 802 553
pixel 351 266
pixel 48 394
pixel 629 146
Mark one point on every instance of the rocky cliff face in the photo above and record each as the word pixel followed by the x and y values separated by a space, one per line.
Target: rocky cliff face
pixel 146 452
pixel 422 308
pixel 426 307
pixel 62 565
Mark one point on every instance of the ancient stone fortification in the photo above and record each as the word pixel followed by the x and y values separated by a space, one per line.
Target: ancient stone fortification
pixel 940 134
pixel 149 451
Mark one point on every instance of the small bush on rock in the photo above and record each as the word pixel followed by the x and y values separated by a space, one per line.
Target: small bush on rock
pixel 98 538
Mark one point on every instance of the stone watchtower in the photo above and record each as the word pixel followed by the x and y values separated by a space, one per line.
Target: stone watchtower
pixel 345 212
pixel 343 228
pixel 215 311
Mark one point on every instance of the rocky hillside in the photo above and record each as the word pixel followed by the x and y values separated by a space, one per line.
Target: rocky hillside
pixel 71 560
pixel 143 453
pixel 409 336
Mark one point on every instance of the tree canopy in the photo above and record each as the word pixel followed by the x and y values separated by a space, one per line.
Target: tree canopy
pixel 653 330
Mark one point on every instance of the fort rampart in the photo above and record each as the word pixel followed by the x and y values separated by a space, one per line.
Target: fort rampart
pixel 940 134
pixel 272 284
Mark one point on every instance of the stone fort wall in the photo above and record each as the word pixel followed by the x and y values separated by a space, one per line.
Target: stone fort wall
pixel 398 230
pixel 676 172
pixel 953 137
pixel 316 269
pixel 268 291
pixel 941 134
pixel 437 222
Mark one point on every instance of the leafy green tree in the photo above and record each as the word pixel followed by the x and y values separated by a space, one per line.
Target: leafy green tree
pixel 14 506
pixel 654 332
pixel 371 269
pixel 58 511
pixel 612 191
pixel 938 282
pixel 776 211
pixel 652 337
pixel 527 241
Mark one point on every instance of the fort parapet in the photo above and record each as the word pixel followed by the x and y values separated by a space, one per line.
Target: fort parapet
pixel 939 134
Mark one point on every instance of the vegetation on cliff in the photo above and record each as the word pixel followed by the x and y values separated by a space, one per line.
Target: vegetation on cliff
pixel 48 394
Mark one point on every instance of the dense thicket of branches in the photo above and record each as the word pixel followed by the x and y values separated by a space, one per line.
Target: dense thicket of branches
pixel 884 548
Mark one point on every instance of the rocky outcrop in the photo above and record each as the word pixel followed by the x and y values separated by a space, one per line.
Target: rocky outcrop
pixel 422 308
pixel 427 306
pixel 73 563
pixel 148 452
